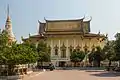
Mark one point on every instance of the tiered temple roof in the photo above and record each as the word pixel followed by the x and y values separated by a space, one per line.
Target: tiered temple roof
pixel 76 25
pixel 65 27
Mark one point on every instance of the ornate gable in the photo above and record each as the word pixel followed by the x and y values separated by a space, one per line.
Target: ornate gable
pixel 64 25
pixel 41 27
pixel 86 26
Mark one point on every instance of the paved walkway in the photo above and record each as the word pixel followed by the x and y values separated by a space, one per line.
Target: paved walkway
pixel 74 75
pixel 29 76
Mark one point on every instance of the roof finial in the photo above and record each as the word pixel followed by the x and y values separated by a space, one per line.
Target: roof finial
pixel 39 21
pixel 84 16
pixel 8 10
pixel 90 18
pixel 29 35
pixel 44 18
pixel 99 32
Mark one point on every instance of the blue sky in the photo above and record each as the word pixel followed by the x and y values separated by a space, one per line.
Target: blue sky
pixel 26 13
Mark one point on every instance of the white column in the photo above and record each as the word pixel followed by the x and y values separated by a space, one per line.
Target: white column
pixel 74 43
pixel 58 53
pixel 51 47
pixel 90 45
pixel 67 51
pixel 59 49
pixel 82 44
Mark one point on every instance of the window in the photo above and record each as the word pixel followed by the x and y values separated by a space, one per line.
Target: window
pixel 78 48
pixel 85 48
pixel 56 51
pixel 63 53
pixel 71 50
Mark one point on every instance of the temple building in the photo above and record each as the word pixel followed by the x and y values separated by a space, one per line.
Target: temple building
pixel 62 36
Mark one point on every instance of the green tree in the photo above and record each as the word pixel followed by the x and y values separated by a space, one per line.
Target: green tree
pixel 43 52
pixel 3 46
pixel 90 56
pixel 109 51
pixel 15 54
pixel 117 47
pixel 77 56
pixel 96 56
pixel 3 38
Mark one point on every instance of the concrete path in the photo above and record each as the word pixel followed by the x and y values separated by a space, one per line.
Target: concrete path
pixel 75 75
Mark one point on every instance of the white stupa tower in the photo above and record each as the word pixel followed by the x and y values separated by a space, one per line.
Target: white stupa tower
pixel 8 27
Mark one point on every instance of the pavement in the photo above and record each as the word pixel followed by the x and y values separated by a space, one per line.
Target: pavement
pixel 33 74
pixel 73 75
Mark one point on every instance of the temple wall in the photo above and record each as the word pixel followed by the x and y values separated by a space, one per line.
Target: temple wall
pixel 67 41
pixel 73 41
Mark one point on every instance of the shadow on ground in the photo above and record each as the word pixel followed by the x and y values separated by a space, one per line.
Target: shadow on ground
pixel 95 71
pixel 106 74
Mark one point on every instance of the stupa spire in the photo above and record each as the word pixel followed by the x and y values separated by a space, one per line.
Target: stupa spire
pixel 8 10
pixel 8 26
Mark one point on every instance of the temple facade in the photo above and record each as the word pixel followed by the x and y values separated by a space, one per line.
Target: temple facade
pixel 63 36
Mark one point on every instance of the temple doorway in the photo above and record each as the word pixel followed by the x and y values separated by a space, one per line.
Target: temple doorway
pixel 62 64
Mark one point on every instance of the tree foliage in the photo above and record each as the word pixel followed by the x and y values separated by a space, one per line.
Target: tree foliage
pixel 117 46
pixel 90 56
pixel 109 50
pixel 3 38
pixel 42 50
pixel 77 56
pixel 16 53
pixel 96 56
